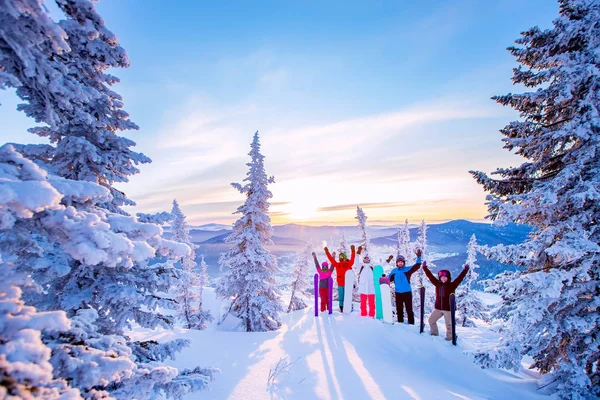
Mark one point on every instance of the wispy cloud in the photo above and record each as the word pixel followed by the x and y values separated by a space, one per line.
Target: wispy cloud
pixel 347 207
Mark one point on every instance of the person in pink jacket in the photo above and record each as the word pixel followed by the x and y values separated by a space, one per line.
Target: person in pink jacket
pixel 324 272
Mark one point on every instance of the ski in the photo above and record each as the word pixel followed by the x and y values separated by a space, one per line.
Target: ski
pixel 453 317
pixel 316 295
pixel 378 273
pixel 348 287
pixel 422 296
pixel 330 298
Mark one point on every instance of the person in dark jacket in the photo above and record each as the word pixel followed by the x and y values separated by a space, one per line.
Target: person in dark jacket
pixel 444 287
pixel 324 272
pixel 401 277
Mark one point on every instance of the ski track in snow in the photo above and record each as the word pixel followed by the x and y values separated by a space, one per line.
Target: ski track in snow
pixel 342 357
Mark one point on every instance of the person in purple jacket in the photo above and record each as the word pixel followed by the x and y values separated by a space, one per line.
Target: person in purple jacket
pixel 324 272
pixel 444 287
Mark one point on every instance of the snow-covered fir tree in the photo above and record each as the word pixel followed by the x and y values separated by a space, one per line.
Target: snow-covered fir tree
pixel 468 302
pixel 552 305
pixel 72 94
pixel 249 268
pixel 25 369
pixel 204 281
pixel 302 285
pixel 403 246
pixel 365 239
pixel 365 243
pixel 421 280
pixel 94 263
pixel 188 288
pixel 343 247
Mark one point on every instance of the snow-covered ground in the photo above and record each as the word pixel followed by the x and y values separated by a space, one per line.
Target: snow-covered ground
pixel 343 357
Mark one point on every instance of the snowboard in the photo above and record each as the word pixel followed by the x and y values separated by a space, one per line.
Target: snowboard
pixel 422 306
pixel 330 294
pixel 377 273
pixel 386 303
pixel 316 295
pixel 453 317
pixel 348 287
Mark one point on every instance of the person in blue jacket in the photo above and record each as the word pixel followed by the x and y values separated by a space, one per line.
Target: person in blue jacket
pixel 401 277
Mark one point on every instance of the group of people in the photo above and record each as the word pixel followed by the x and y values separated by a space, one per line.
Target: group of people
pixel 400 275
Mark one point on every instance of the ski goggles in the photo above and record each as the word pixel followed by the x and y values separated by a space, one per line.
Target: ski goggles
pixel 443 273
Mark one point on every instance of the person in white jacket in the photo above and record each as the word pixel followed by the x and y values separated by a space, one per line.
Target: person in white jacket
pixel 366 288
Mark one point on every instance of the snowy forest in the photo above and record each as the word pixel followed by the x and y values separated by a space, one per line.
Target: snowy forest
pixel 98 302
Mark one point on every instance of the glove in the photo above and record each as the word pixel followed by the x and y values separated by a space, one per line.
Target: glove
pixel 424 264
pixel 326 250
pixel 389 259
pixel 313 254
pixel 467 267
pixel 418 252
pixel 353 248
pixel 360 249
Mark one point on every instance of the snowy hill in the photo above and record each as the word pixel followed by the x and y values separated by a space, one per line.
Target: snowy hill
pixel 343 357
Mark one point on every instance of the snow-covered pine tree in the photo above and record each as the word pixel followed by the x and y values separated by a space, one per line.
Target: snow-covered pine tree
pixel 552 306
pixel 365 239
pixel 188 288
pixel 249 277
pixel 365 243
pixel 469 305
pixel 74 96
pixel 94 263
pixel 421 243
pixel 343 247
pixel 302 280
pixel 404 247
pixel 204 281
pixel 25 369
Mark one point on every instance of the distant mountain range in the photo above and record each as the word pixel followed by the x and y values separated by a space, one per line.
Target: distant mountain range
pixel 447 241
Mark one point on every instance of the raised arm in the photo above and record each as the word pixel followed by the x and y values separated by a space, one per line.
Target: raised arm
pixel 316 261
pixel 432 278
pixel 415 267
pixel 461 276
pixel 329 257
pixel 353 254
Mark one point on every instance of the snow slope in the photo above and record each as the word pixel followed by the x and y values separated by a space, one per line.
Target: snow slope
pixel 341 357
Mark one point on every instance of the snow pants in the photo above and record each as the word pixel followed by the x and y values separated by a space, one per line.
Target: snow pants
pixel 324 295
pixel 341 296
pixel 364 299
pixel 433 319
pixel 402 300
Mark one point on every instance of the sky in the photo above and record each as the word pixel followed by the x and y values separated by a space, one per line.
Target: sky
pixel 382 104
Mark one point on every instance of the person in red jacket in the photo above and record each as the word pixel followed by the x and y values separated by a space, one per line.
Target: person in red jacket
pixel 344 264
pixel 444 287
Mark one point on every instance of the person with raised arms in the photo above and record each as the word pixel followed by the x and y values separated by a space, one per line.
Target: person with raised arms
pixel 444 287
pixel 401 277
pixel 344 264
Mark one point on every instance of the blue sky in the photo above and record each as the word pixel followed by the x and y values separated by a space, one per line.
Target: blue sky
pixel 383 104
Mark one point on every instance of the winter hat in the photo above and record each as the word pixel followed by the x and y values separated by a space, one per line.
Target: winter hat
pixel 344 256
pixel 324 265
pixel 400 258
pixel 445 272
